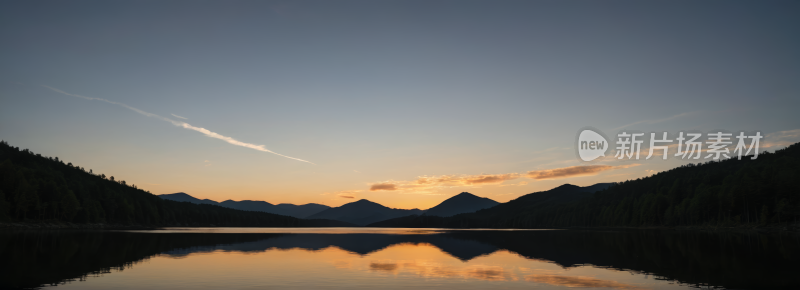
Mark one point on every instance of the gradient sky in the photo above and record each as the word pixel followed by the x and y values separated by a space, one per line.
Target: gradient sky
pixel 470 94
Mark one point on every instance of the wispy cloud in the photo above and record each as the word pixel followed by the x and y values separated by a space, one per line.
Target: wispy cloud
pixel 345 193
pixel 383 186
pixel 654 121
pixel 573 171
pixel 429 184
pixel 179 117
pixel 781 139
pixel 521 183
pixel 183 125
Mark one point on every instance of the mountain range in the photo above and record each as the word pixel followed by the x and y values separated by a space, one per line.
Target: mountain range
pixel 361 212
pixel 364 212
pixel 298 211
pixel 533 201
pixel 527 203
pixel 730 192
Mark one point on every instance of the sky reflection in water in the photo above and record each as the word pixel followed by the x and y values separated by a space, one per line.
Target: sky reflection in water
pixel 358 230
pixel 311 263
pixel 341 258
pixel 398 266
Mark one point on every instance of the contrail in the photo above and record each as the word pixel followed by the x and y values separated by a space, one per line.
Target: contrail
pixel 179 117
pixel 183 125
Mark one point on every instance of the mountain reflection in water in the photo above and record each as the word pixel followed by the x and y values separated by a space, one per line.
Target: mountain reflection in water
pixel 642 259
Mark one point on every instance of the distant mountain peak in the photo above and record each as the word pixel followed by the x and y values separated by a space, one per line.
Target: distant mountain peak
pixel 298 211
pixel 184 197
pixel 364 201
pixel 464 202
pixel 466 196
pixel 363 212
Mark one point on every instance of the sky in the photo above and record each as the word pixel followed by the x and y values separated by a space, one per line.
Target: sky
pixel 404 103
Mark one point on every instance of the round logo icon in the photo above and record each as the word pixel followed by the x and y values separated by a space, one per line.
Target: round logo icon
pixel 591 145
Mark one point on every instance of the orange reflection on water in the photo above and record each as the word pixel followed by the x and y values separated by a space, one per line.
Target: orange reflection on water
pixel 578 281
pixel 397 266
pixel 429 269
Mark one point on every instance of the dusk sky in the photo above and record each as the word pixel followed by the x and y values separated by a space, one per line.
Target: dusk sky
pixel 404 103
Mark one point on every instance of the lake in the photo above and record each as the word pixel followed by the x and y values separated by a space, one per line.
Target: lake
pixel 373 258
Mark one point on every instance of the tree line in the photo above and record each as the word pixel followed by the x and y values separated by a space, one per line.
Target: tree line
pixel 726 193
pixel 37 188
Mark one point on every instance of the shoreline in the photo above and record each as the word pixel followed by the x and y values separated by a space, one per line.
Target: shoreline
pixel 69 226
pixel 793 229
pixel 57 225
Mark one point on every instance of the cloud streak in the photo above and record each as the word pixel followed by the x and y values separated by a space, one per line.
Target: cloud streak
pixel 184 125
pixel 179 117
pixel 429 184
pixel 453 180
pixel 426 183
pixel 780 139
pixel 348 193
pixel 572 171
pixel 383 186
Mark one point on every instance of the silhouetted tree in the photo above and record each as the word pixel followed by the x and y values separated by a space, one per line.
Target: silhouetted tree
pixel 717 193
pixel 25 198
pixel 36 187
pixel 5 207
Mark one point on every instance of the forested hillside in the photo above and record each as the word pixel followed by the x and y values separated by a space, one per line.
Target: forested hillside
pixel 38 188
pixel 760 192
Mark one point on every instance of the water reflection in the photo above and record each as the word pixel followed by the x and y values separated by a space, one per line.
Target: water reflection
pixel 362 244
pixel 578 281
pixel 392 259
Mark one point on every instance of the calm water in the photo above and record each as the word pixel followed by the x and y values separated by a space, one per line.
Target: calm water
pixel 348 258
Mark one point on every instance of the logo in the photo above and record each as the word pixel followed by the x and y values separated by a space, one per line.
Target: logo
pixel 591 145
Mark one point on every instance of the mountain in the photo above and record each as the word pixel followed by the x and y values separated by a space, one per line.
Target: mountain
pixel 559 195
pixel 249 205
pixel 183 197
pixel 36 188
pixel 760 192
pixel 363 212
pixel 462 203
pixel 725 193
pixel 531 202
pixel 298 211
